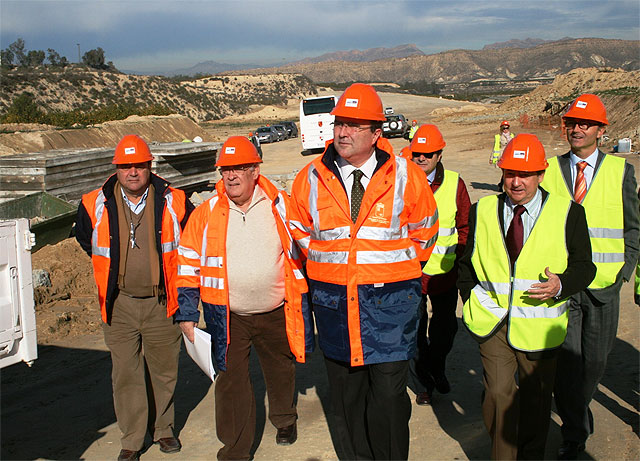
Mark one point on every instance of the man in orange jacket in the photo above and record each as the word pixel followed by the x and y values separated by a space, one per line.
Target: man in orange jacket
pixel 368 222
pixel 131 228
pixel 238 257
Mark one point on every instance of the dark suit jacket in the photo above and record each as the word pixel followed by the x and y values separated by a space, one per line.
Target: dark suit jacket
pixel 631 223
pixel 580 269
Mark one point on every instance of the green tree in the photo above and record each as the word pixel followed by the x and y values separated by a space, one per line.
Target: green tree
pixel 23 109
pixel 55 59
pixel 6 58
pixel 35 58
pixel 17 48
pixel 94 58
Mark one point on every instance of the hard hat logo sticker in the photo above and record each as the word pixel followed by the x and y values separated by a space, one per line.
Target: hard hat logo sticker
pixel 230 150
pixel 581 104
pixel 129 150
pixel 351 102
pixel 422 140
pixel 519 154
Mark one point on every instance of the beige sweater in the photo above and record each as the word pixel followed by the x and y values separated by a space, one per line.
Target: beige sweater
pixel 255 258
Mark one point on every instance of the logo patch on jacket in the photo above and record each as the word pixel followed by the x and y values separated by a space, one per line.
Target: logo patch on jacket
pixel 378 214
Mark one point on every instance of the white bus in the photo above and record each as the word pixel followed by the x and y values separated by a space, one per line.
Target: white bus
pixel 316 124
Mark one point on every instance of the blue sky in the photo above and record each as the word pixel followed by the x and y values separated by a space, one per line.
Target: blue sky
pixel 161 35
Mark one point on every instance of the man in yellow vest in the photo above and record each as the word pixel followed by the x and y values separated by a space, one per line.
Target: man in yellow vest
pixel 530 252
pixel 440 273
pixel 606 187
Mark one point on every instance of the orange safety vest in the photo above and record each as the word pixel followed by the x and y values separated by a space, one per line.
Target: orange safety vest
pixel 202 265
pixel 396 229
pixel 102 242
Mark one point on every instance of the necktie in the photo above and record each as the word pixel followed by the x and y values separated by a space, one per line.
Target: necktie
pixel 515 233
pixel 357 192
pixel 580 189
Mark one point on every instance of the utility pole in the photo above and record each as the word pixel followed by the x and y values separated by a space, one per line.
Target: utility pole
pixel 79 60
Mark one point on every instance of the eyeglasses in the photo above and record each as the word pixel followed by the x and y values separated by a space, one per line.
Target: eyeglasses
pixel 582 124
pixel 225 170
pixel 429 155
pixel 506 127
pixel 350 126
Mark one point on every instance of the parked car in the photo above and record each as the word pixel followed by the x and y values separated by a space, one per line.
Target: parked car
pixel 267 134
pixel 395 125
pixel 292 129
pixel 282 131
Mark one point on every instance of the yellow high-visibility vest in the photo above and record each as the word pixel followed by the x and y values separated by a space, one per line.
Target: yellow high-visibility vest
pixel 605 215
pixel 534 325
pixel 443 256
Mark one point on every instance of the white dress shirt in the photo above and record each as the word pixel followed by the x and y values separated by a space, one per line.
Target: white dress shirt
pixel 346 172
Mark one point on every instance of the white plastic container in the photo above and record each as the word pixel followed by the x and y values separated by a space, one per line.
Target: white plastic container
pixel 624 145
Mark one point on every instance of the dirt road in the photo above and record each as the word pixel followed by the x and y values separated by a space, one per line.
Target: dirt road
pixel 62 407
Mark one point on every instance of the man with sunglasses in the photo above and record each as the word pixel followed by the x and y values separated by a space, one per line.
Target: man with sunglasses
pixel 440 274
pixel 605 186
pixel 368 222
pixel 238 258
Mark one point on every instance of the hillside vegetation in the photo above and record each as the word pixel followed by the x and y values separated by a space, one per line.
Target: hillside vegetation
pixel 78 88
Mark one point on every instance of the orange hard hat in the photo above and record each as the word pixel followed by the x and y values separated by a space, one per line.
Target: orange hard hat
pixel 132 149
pixel 523 153
pixel 427 139
pixel 504 123
pixel 237 150
pixel 414 121
pixel 588 107
pixel 359 101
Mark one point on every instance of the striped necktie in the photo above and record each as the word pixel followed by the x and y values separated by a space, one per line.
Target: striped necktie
pixel 580 189
pixel 357 192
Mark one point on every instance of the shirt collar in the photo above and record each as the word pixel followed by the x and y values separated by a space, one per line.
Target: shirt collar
pixel 431 176
pixel 367 168
pixel 531 206
pixel 591 159
pixel 135 206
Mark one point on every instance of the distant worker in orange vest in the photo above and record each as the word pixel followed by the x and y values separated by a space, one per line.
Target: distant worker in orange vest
pixel 131 229
pixel 368 222
pixel 237 257
pixel 440 274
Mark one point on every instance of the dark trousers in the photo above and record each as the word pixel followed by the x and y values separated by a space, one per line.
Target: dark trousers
pixel 371 408
pixel 235 403
pixel 141 338
pixel 433 350
pixel 582 360
pixel 517 416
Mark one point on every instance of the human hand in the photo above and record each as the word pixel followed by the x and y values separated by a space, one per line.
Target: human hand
pixel 545 290
pixel 188 329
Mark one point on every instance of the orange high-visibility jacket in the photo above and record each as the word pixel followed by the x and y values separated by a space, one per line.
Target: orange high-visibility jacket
pixel 202 273
pixel 365 277
pixel 97 232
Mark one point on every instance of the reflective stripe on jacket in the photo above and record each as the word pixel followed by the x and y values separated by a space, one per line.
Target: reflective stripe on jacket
pixel 605 216
pixel 105 239
pixel 365 275
pixel 534 325
pixel 443 256
pixel 202 272
pixel 497 150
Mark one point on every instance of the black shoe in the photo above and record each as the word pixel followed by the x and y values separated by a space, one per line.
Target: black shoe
pixel 442 384
pixel 423 398
pixel 128 455
pixel 287 435
pixel 570 449
pixel 169 444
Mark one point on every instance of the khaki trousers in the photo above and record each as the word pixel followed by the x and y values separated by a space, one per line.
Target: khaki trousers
pixel 517 416
pixel 144 346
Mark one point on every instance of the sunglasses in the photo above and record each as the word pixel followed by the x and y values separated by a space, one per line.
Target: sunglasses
pixel 429 155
